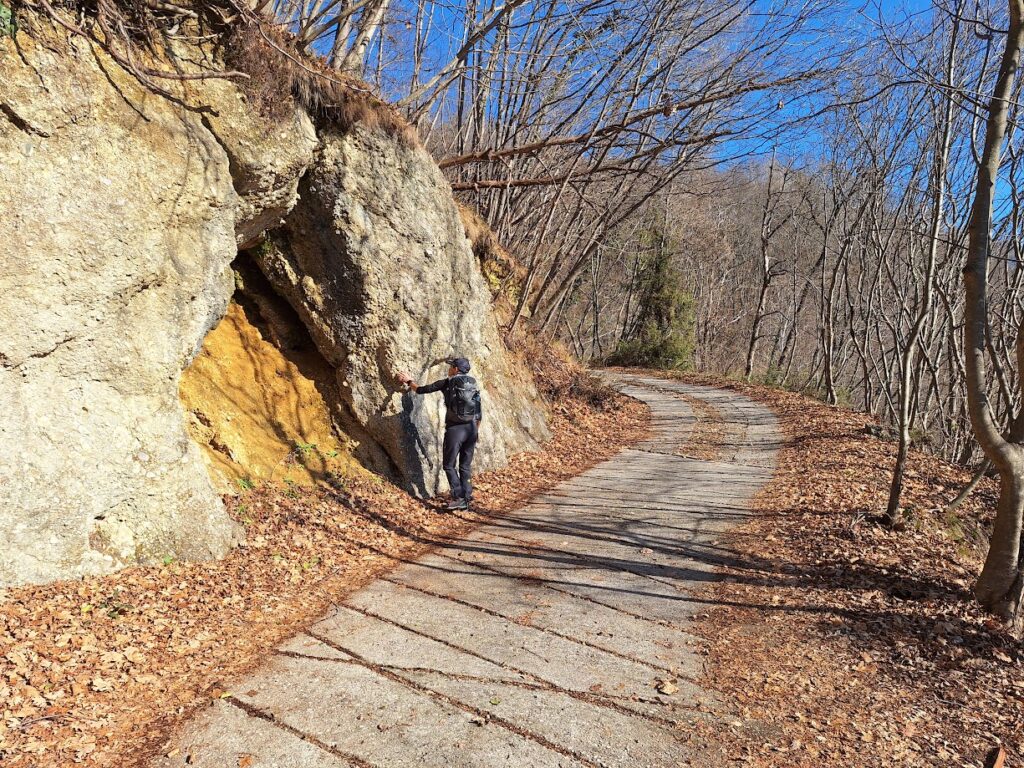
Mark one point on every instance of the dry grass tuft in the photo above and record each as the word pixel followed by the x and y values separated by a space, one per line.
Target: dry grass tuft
pixel 559 376
pixel 281 77
pixel 557 373
pixel 505 275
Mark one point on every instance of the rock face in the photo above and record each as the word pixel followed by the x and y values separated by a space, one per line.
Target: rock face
pixel 121 220
pixel 376 261
pixel 123 211
pixel 118 231
pixel 258 393
pixel 266 158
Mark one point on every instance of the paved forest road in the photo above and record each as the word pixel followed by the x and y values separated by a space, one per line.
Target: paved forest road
pixel 537 641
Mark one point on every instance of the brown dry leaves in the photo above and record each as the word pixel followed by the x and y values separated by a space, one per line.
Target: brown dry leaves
pixel 843 642
pixel 96 672
pixel 708 434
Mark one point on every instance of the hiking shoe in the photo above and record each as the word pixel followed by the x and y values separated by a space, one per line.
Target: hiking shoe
pixel 457 504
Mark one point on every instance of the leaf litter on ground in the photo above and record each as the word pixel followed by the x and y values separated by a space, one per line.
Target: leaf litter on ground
pixel 841 641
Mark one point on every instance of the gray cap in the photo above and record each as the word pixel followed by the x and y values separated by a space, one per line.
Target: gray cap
pixel 461 363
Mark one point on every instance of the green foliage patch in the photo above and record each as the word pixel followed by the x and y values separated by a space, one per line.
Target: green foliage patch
pixel 663 334
pixel 8 21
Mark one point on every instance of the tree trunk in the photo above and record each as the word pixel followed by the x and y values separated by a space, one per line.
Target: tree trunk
pixel 906 415
pixel 766 273
pixel 999 585
pixel 966 491
pixel 369 24
pixel 755 328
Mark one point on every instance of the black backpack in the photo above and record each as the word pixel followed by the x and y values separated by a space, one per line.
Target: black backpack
pixel 463 399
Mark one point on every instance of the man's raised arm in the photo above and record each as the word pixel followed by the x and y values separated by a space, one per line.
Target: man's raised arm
pixel 425 389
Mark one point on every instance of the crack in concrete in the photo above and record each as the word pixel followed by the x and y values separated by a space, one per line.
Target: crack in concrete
pixel 465 678
pixel 586 697
pixel 547 584
pixel 545 630
pixel 484 715
pixel 558 530
pixel 253 711
pixel 583 560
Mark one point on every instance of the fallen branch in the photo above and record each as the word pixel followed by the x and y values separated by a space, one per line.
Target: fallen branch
pixel 996 758
pixel 967 489
pixel 33 720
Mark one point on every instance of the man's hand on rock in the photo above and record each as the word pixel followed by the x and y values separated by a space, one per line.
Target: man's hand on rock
pixel 406 380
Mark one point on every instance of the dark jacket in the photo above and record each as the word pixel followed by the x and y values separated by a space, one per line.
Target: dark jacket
pixel 445 386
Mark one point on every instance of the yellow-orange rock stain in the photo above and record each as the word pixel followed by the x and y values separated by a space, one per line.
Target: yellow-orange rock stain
pixel 259 415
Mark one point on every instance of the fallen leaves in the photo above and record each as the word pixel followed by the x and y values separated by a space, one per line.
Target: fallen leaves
pixel 101 685
pixel 709 433
pixel 869 634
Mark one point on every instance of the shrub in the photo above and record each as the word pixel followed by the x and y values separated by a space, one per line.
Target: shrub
pixel 559 376
pixel 662 335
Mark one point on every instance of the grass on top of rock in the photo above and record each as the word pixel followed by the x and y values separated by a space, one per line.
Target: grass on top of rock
pixel 560 378
pixel 504 274
pixel 228 41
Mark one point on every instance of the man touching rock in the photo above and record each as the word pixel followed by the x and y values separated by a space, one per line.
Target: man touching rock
pixel 461 426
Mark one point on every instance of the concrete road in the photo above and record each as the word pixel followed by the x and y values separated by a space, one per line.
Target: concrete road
pixel 555 636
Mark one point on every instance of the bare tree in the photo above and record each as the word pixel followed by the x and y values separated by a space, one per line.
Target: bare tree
pixel 1000 585
pixel 925 305
pixel 770 226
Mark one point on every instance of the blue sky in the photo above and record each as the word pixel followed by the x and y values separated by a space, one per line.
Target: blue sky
pixel 847 23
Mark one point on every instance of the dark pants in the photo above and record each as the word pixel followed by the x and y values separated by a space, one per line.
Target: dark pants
pixel 459 444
